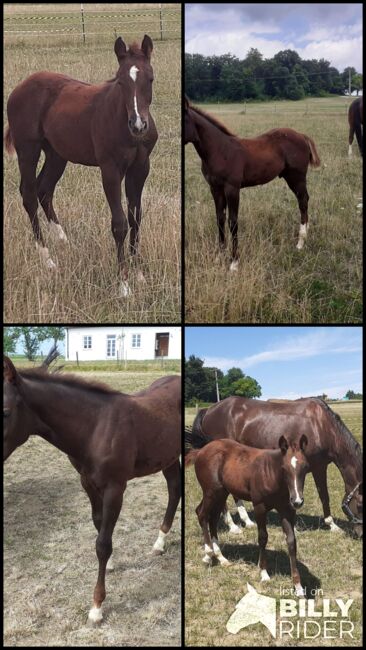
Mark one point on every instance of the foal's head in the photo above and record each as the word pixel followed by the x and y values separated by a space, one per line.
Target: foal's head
pixel 295 467
pixel 135 75
pixel 19 422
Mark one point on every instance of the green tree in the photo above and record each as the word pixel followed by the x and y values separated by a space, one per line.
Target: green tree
pixel 10 339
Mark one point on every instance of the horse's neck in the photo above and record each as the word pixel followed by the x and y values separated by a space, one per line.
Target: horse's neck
pixel 59 411
pixel 347 460
pixel 210 139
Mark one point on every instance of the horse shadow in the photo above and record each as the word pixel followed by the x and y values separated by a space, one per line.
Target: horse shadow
pixel 303 523
pixel 278 564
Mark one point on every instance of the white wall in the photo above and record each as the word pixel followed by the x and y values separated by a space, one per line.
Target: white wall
pixel 74 342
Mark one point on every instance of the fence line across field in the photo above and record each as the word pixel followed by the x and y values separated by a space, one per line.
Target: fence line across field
pixel 162 23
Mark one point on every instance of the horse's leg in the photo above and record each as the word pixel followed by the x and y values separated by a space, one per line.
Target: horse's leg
pixel 134 182
pixel 112 178
pixel 50 174
pixel 243 513
pixel 350 137
pixel 261 519
pixel 319 473
pixel 233 528
pixel 219 198
pixel 173 478
pixel 220 500
pixel 232 197
pixel 28 157
pixel 288 523
pixel 112 503
pixel 203 513
pixel 297 184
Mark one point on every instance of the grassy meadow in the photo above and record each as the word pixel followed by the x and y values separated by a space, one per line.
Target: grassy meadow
pixel 50 565
pixel 85 287
pixel 275 282
pixel 328 561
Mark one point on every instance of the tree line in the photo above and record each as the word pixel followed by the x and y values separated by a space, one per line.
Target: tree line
pixel 284 76
pixel 200 383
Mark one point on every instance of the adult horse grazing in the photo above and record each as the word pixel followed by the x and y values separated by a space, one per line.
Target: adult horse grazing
pixel 110 438
pixel 230 163
pixel 258 424
pixel 270 479
pixel 355 121
pixel 108 125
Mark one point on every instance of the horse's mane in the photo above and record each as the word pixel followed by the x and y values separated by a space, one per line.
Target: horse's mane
pixel 213 121
pixel 348 438
pixel 39 374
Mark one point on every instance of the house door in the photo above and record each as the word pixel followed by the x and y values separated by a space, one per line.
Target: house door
pixel 162 345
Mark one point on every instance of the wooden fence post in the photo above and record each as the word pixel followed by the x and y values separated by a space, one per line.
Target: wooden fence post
pixel 82 22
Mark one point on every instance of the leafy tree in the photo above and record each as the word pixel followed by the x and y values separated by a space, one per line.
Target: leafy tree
pixel 10 339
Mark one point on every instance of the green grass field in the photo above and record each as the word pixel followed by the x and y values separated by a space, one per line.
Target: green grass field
pixel 85 287
pixel 275 282
pixel 328 561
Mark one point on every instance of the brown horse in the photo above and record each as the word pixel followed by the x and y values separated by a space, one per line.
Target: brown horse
pixel 107 125
pixel 109 437
pixel 270 479
pixel 258 424
pixel 355 121
pixel 230 163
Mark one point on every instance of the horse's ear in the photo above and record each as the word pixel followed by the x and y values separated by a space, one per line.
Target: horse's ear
pixel 120 48
pixel 10 373
pixel 303 442
pixel 147 46
pixel 283 444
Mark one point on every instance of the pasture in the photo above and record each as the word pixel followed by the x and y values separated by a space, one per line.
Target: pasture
pixel 328 561
pixel 275 282
pixel 85 287
pixel 50 564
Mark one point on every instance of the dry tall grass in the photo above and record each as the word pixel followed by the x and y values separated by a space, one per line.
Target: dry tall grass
pixel 275 282
pixel 85 288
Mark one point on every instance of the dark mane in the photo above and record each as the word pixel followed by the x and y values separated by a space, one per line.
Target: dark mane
pixel 213 121
pixel 349 439
pixel 67 380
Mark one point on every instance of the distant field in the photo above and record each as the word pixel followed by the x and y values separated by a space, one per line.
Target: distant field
pixel 275 282
pixel 50 565
pixel 329 561
pixel 86 288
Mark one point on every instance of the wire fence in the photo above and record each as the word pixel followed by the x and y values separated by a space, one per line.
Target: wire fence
pixel 161 22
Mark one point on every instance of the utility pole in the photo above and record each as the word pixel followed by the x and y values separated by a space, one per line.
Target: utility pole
pixel 217 387
pixel 349 82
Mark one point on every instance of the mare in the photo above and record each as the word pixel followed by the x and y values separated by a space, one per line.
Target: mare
pixel 268 478
pixel 106 125
pixel 230 163
pixel 258 424
pixel 355 121
pixel 109 437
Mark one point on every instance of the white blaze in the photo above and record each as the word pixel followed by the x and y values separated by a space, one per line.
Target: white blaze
pixel 133 73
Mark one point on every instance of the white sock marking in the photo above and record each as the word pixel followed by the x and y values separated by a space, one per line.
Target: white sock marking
pixel 302 236
pixel 160 542
pixel 350 151
pixel 110 564
pixel 244 515
pixel 299 591
pixel 329 521
pixel 229 521
pixel 95 614
pixel 125 289
pixel 264 575
pixel 217 551
pixel 57 230
pixel 234 266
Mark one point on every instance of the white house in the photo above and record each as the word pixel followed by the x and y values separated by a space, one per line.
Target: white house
pixel 130 343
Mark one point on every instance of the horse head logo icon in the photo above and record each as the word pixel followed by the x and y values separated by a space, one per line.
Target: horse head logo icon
pixel 253 608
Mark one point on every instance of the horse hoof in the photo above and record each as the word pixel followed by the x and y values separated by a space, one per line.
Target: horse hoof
pixel 125 289
pixel 234 266
pixel 235 530
pixel 249 524
pixel 157 551
pixel 140 277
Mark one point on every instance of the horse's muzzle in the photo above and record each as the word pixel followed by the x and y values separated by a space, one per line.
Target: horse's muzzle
pixel 138 127
pixel 297 503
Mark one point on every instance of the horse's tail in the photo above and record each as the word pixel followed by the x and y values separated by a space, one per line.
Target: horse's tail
pixel 9 144
pixel 198 438
pixel 191 457
pixel 314 158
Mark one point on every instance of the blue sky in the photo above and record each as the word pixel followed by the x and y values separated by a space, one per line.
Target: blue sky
pixel 287 362
pixel 320 30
